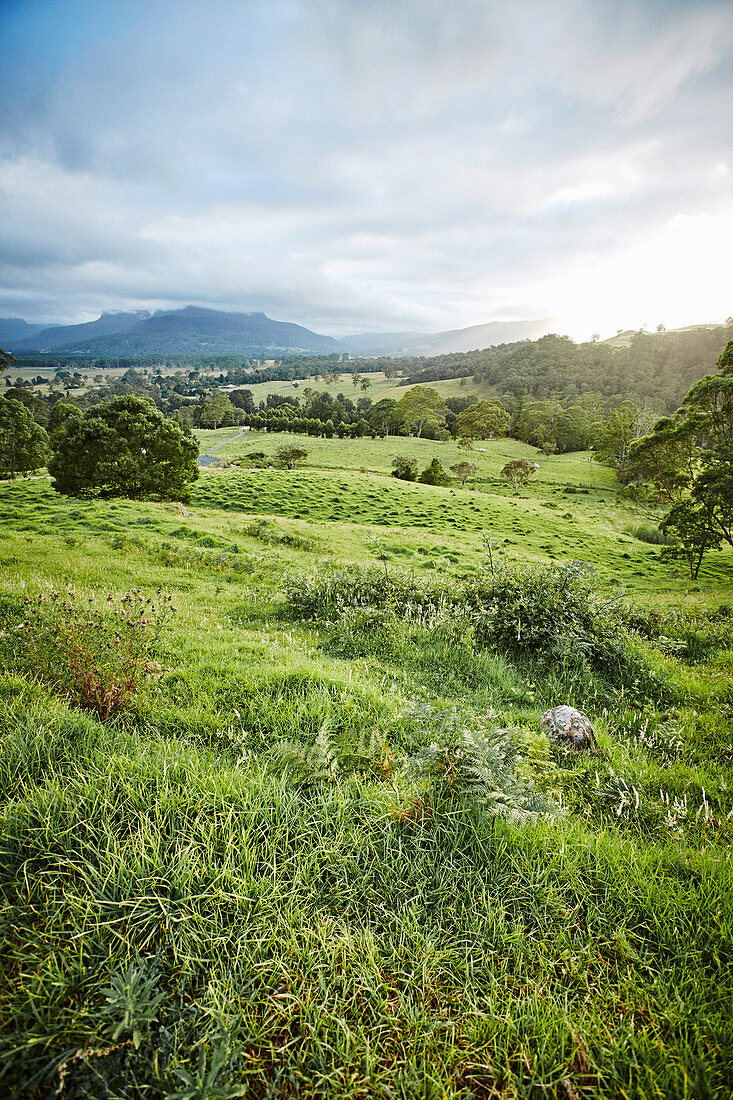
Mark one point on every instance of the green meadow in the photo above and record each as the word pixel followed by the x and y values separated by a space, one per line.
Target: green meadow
pixel 250 866
pixel 379 387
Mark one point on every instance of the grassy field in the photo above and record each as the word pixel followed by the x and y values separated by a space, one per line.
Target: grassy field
pixel 379 387
pixel 245 880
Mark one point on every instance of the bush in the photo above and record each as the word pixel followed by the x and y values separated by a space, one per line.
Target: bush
pixel 327 593
pixel 404 468
pixel 95 653
pixel 434 474
pixel 644 532
pixel 555 616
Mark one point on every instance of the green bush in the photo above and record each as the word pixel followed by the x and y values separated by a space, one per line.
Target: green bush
pixel 645 532
pixel 434 474
pixel 556 616
pixel 404 468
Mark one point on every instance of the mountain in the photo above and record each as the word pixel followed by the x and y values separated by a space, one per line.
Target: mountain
pixel 189 331
pixel 67 337
pixel 198 331
pixel 443 343
pixel 14 331
pixel 382 343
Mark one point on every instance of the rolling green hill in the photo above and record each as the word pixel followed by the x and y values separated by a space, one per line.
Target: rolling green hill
pixel 317 844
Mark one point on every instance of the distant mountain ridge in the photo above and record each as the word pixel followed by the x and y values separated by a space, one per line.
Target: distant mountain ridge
pixel 62 337
pixel 189 331
pixel 14 330
pixel 195 330
pixel 443 343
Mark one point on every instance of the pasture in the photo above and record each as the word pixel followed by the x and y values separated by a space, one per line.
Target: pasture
pixel 186 914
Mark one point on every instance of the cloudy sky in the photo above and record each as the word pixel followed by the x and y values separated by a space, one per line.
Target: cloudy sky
pixel 367 165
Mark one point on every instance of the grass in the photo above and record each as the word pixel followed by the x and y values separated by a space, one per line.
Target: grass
pixel 179 918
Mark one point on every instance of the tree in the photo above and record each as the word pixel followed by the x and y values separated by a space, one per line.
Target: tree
pixel 691 524
pixel 464 470
pixel 123 447
pixel 517 412
pixel 404 468
pixel 666 458
pixel 216 410
pixel 548 448
pixel 420 405
pixel 6 360
pixel 483 420
pixel 712 489
pixel 689 458
pixel 23 443
pixel 382 417
pixel 571 430
pixel 466 444
pixel 434 474
pixel 613 436
pixel 290 456
pixel 518 472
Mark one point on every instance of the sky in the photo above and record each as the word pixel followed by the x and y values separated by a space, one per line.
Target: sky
pixel 369 165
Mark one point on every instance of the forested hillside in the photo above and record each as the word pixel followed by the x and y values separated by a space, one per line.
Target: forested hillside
pixel 660 366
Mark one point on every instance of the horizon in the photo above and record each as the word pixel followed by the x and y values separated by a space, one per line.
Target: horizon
pixel 601 337
pixel 369 170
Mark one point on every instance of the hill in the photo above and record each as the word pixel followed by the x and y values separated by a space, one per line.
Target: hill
pixel 302 859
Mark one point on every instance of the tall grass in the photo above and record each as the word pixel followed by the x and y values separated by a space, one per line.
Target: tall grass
pixel 182 917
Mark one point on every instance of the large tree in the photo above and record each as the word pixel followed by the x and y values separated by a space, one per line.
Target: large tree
pixel 666 458
pixel 483 420
pixel 420 406
pixel 6 360
pixel 216 410
pixel 124 447
pixel 613 436
pixel 688 459
pixel 23 443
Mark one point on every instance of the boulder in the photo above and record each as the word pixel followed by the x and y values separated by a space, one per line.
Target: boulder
pixel 567 726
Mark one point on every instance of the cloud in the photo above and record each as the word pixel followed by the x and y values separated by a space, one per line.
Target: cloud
pixel 349 166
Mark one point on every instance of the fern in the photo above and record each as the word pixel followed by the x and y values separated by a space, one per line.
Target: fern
pixel 477 767
pixel 311 764
pixel 327 758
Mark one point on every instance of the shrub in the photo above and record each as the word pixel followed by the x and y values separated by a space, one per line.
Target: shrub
pixel 327 593
pixel 532 610
pixel 556 616
pixel 94 652
pixel 645 532
pixel 404 468
pixel 289 457
pixel 434 474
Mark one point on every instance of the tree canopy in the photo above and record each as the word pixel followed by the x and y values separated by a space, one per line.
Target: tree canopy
pixel 483 420
pixel 124 447
pixel 420 406
pixel 688 461
pixel 518 472
pixel 23 443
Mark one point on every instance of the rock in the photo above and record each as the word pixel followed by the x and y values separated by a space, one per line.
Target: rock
pixel 566 725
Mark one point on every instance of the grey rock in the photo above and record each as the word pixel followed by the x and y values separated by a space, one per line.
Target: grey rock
pixel 568 726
